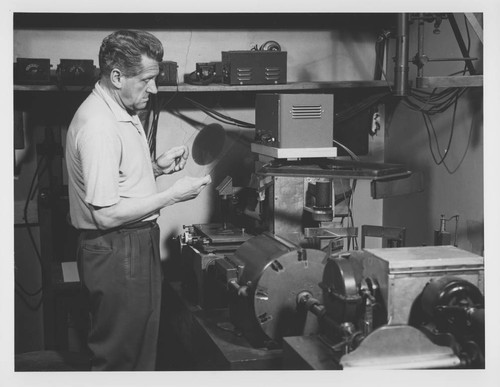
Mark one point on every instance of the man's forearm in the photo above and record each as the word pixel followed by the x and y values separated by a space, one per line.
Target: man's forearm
pixel 131 209
pixel 128 210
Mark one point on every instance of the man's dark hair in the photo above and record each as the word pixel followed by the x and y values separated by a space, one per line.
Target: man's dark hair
pixel 124 50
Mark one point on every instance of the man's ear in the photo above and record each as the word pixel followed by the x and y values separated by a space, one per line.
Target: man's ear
pixel 116 78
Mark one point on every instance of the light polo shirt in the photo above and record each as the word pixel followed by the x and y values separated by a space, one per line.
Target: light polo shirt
pixel 107 157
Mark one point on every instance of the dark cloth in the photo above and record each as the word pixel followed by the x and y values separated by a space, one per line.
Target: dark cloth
pixel 121 271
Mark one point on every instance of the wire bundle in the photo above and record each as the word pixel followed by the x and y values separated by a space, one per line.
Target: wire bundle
pixel 219 116
pixel 436 102
pixel 354 110
pixel 431 103
pixel 156 105
pixel 349 200
pixel 20 290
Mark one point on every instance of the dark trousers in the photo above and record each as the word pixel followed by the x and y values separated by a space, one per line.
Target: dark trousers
pixel 121 271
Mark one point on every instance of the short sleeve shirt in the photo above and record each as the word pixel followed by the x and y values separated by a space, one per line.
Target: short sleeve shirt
pixel 107 157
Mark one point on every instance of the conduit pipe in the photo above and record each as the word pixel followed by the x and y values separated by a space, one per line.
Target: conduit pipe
pixel 401 67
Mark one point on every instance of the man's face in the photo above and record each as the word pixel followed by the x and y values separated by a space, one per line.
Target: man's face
pixel 136 90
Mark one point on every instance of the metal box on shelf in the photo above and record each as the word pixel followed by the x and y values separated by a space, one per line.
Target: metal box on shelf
pixel 402 273
pixel 168 74
pixel 254 67
pixel 32 71
pixel 76 72
pixel 294 120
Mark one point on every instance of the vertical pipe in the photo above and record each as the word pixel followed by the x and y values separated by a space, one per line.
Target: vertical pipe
pixel 401 68
pixel 379 57
pixel 420 64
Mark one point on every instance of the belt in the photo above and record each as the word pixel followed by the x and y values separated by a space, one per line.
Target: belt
pixel 139 225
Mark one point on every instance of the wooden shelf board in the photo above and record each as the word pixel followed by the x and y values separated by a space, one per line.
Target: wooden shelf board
pixel 445 81
pixel 186 88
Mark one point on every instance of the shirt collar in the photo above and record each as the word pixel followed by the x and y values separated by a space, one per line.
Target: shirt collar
pixel 120 113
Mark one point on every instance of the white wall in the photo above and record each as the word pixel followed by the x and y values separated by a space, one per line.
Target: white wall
pixel 459 193
pixel 312 55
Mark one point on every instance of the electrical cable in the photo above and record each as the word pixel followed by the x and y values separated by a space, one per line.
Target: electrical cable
pixel 350 201
pixel 359 107
pixel 379 42
pixel 385 78
pixel 430 127
pixel 439 103
pixel 31 191
pixel 452 171
pixel 351 215
pixel 433 98
pixel 350 152
pixel 29 198
pixel 155 109
pixel 443 100
pixel 244 124
pixel 443 157
pixel 224 118
pixel 350 218
pixel 219 116
pixel 32 239
pixel 152 131
pixel 214 116
pixel 429 140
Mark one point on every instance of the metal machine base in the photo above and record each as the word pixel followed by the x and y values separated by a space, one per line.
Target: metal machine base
pixel 308 353
pixel 210 340
pixel 389 347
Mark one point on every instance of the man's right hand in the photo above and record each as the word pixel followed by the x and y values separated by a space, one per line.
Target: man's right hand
pixel 188 187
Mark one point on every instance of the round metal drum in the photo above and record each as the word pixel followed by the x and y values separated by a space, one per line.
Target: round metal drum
pixel 275 273
pixel 340 283
pixel 449 291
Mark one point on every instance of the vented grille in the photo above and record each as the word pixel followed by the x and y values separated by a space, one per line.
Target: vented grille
pixel 244 73
pixel 306 111
pixel 272 74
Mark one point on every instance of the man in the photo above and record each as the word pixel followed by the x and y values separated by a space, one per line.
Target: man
pixel 114 203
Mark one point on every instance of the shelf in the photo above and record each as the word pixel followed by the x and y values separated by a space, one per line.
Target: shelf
pixel 293 86
pixel 450 81
pixel 51 88
pixel 186 88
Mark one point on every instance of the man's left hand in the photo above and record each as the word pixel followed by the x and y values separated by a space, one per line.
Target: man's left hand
pixel 173 160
